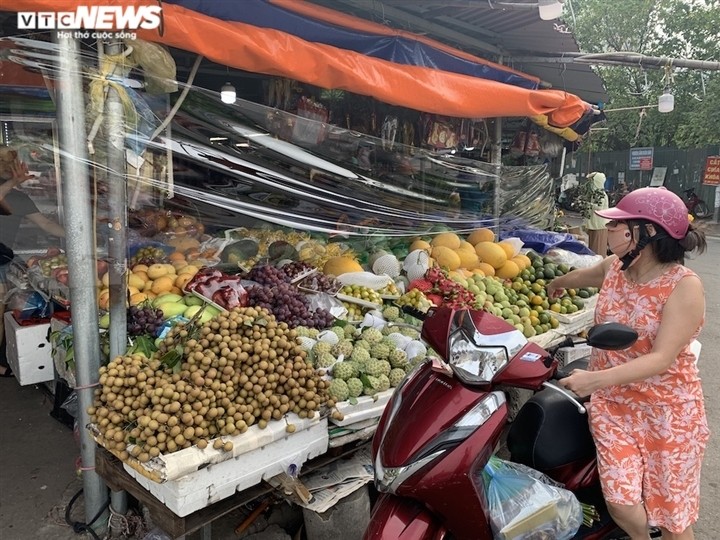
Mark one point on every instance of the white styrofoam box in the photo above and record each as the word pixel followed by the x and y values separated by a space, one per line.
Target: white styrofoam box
pixel 587 312
pixel 569 354
pixel 28 351
pixel 189 460
pixel 366 407
pixel 218 481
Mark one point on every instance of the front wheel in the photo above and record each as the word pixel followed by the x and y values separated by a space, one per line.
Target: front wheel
pixel 701 210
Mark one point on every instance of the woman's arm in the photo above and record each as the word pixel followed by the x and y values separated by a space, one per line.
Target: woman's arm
pixel 592 276
pixel 47 224
pixel 681 317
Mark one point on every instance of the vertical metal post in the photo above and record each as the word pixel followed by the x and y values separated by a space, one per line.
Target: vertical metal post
pixel 117 237
pixel 80 244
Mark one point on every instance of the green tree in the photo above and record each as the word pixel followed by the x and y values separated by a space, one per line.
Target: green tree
pixel 666 28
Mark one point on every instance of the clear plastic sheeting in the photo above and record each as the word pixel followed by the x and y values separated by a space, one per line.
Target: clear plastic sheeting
pixel 197 167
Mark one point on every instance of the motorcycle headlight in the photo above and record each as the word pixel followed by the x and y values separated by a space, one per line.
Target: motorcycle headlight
pixel 476 358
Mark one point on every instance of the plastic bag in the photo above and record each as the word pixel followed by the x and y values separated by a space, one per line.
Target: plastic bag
pixel 543 241
pixel 524 504
pixel 562 256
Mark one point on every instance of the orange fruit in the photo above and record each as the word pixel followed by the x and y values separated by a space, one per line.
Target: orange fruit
pixel 163 284
pixel 176 256
pixel 508 248
pixel 486 269
pixel 189 269
pixel 176 290
pixel 140 268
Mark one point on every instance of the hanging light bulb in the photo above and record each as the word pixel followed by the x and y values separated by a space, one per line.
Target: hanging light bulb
pixel 549 9
pixel 227 93
pixel 666 102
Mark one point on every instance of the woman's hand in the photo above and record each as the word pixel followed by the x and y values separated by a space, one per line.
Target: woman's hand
pixel 20 172
pixel 581 382
pixel 554 289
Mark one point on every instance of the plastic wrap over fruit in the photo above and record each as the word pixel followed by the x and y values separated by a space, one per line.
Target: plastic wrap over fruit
pixel 365 279
pixel 373 319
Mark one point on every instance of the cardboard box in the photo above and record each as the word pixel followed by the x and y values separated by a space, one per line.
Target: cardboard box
pixel 28 351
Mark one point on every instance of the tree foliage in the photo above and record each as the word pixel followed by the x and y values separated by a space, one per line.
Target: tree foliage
pixel 664 28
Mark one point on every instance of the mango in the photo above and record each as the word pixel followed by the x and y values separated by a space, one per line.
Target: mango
pixel 171 309
pixel 167 297
pixel 192 310
pixel 192 300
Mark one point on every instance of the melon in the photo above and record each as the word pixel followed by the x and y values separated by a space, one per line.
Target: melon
pixel 509 270
pixel 468 259
pixel 491 253
pixel 447 239
pixel 337 266
pixel 508 248
pixel 481 235
pixel 420 244
pixel 486 269
pixel 446 257
pixel 520 261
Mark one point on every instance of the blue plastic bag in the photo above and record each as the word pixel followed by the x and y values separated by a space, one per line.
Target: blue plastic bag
pixel 543 241
pixel 524 504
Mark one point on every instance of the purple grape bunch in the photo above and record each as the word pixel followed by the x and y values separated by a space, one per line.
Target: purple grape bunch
pixel 144 320
pixel 288 305
pixel 295 268
pixel 267 275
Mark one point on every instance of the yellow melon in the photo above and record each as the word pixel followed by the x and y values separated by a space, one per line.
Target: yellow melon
pixel 420 244
pixel 525 259
pixel 468 259
pixel 446 257
pixel 486 269
pixel 520 261
pixel 481 235
pixel 446 239
pixel 508 248
pixel 464 244
pixel 140 268
pixel 478 272
pixel 509 270
pixel 491 253
pixel 336 266
pixel 136 281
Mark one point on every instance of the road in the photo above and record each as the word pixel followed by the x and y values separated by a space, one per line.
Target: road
pixel 708 526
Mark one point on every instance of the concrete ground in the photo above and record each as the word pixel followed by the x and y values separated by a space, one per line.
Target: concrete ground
pixel 38 454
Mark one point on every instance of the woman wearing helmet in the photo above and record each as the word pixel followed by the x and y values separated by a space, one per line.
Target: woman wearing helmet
pixel 647 412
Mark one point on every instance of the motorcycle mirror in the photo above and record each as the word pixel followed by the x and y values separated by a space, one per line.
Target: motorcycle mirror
pixel 611 336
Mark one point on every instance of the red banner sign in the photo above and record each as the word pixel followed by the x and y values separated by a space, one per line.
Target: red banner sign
pixel 711 176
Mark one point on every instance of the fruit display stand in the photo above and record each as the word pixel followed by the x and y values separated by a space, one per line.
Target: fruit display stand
pixel 192 479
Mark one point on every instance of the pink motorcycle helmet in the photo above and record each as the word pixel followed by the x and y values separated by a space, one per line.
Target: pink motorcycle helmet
pixel 657 205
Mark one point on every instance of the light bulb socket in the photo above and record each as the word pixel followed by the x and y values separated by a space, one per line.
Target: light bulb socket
pixel 666 102
pixel 227 93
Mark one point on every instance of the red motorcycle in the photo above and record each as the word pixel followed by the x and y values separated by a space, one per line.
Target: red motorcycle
pixel 448 417
pixel 695 205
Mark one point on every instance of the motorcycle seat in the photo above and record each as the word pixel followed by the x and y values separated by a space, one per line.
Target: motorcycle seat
pixel 549 432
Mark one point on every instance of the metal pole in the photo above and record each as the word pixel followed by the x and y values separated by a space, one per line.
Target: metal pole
pixel 716 213
pixel 117 238
pixel 80 246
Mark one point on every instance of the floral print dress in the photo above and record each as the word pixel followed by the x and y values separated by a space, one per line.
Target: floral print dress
pixel 650 435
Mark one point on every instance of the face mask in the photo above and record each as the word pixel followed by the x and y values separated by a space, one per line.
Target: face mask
pixel 619 239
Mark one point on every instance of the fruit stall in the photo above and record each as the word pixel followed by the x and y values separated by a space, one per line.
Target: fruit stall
pixel 258 273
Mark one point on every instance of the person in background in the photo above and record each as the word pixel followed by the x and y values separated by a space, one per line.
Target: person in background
pixel 647 412
pixel 595 224
pixel 14 207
